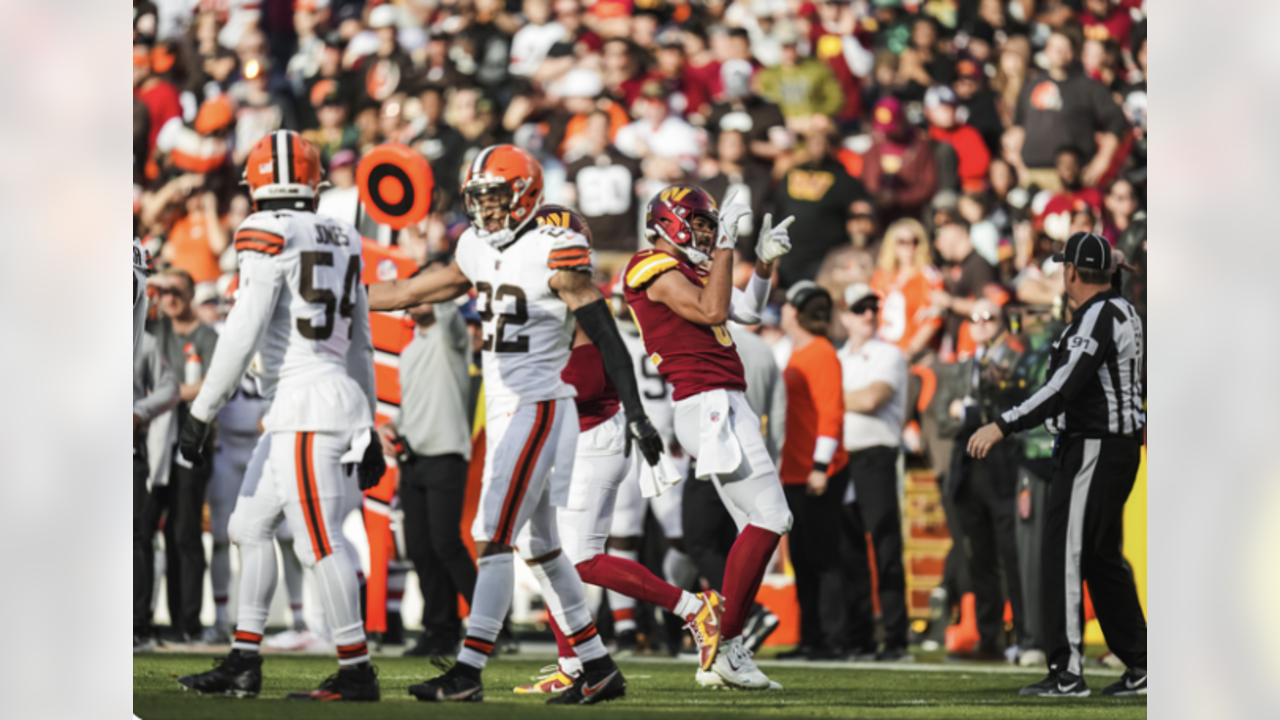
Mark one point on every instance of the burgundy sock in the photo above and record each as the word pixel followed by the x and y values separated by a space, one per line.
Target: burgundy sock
pixel 742 575
pixel 562 642
pixel 629 578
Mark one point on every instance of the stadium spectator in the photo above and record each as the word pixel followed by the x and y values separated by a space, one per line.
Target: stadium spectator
pixel 977 104
pixel 601 182
pixel 188 346
pixel 747 112
pixel 819 193
pixel 433 449
pixel 875 400
pixel 967 278
pixel 900 170
pixel 813 470
pixel 155 392
pixel 159 95
pixel 532 43
pixel 342 201
pixel 973 157
pixel 1105 20
pixel 1063 107
pixel 196 239
pixel 802 87
pixel 923 63
pixel 669 145
pixel 905 280
pixel 1129 225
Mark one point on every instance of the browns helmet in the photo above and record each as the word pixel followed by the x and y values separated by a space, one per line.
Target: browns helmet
pixel 561 216
pixel 670 217
pixel 283 166
pixel 508 170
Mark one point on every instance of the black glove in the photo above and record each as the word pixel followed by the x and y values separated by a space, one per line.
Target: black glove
pixel 373 466
pixel 192 440
pixel 642 432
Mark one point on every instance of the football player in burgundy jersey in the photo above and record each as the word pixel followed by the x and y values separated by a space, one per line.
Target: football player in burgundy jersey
pixel 680 306
pixel 600 464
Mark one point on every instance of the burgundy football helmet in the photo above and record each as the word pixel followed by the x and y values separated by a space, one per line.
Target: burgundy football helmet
pixel 670 217
pixel 561 216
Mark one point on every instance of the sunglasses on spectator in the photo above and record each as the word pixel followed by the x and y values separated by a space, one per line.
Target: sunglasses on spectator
pixel 982 317
pixel 176 292
pixel 861 308
pixel 912 241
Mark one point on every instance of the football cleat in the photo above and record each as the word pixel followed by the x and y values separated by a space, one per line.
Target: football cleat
pixel 552 682
pixel 355 684
pixel 590 688
pixel 1133 682
pixel 705 627
pixel 291 640
pixel 237 675
pixel 1058 684
pixel 734 665
pixel 709 679
pixel 457 684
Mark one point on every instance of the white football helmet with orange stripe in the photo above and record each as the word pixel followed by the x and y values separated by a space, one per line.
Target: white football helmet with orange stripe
pixel 283 166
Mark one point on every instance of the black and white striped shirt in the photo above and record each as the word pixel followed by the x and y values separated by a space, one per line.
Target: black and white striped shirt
pixel 1095 383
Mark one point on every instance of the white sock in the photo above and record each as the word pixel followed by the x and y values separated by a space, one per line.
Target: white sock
pixel 678 568
pixel 495 581
pixel 571 666
pixel 567 601
pixel 622 606
pixel 340 597
pixel 689 604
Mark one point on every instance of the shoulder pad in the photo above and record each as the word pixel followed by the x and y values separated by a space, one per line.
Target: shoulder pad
pixel 262 232
pixel 648 265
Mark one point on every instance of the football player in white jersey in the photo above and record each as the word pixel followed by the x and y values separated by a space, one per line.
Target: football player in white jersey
pixel 302 310
pixel 529 279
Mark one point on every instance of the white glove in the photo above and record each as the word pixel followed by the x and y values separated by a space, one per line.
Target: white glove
pixel 730 217
pixel 773 242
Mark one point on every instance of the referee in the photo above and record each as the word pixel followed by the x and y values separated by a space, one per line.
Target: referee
pixel 1093 403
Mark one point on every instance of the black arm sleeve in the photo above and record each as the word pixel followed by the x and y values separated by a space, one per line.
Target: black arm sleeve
pixel 597 322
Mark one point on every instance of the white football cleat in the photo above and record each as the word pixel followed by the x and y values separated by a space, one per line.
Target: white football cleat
pixel 734 665
pixel 709 679
pixel 291 640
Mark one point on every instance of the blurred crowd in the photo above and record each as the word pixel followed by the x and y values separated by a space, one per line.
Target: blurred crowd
pixel 937 153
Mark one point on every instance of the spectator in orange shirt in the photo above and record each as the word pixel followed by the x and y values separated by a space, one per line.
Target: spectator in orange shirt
pixel 971 151
pixel 905 279
pixel 197 240
pixel 813 463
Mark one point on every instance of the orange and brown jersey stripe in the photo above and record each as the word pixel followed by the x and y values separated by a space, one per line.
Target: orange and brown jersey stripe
pixel 524 471
pixel 574 257
pixel 481 646
pixel 259 241
pixel 583 635
pixel 309 495
pixel 346 652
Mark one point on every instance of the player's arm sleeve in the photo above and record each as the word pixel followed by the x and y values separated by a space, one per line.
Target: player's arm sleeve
pixel 255 300
pixel 360 351
pixel 570 251
pixel 598 323
pixel 745 306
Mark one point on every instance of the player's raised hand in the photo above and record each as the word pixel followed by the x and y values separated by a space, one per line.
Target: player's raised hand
pixel 731 218
pixel 642 432
pixel 774 242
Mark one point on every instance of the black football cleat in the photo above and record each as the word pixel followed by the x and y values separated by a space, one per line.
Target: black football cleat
pixel 1058 685
pixel 356 684
pixel 1133 682
pixel 459 683
pixel 237 675
pixel 594 686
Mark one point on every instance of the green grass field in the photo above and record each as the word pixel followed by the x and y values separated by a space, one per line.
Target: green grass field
pixel 656 688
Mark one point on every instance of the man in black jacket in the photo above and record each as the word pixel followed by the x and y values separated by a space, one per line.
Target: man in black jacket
pixel 1093 402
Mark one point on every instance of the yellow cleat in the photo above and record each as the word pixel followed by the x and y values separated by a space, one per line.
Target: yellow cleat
pixel 705 627
pixel 554 682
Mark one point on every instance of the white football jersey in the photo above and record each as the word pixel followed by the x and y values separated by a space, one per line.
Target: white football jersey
pixel 655 392
pixel 528 329
pixel 302 316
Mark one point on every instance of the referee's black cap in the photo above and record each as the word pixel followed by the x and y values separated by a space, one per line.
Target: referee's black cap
pixel 1086 250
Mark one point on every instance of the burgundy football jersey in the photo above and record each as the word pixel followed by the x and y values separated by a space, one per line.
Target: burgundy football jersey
pixel 693 358
pixel 597 397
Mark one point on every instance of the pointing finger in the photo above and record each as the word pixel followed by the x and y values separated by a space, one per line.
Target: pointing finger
pixel 786 223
